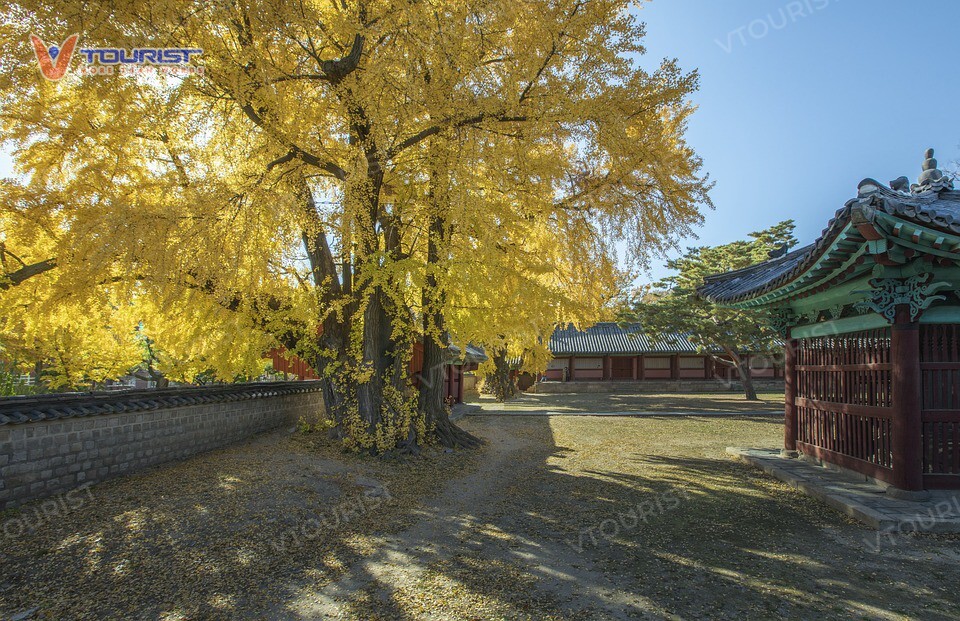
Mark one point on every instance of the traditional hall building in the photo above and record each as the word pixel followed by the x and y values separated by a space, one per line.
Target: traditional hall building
pixel 871 316
pixel 608 352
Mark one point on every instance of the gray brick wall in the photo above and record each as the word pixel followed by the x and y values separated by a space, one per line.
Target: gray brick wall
pixel 48 457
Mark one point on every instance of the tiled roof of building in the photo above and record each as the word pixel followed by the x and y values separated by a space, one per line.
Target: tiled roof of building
pixel 610 338
pixel 932 203
pixel 14 410
pixel 758 278
pixel 473 354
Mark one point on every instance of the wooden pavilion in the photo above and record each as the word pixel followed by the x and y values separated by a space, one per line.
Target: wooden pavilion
pixel 870 314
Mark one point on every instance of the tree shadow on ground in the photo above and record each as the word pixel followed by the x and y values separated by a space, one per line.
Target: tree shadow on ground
pixel 654 535
pixel 221 535
pixel 568 518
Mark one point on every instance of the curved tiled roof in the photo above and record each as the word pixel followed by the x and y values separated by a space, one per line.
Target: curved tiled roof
pixel 473 354
pixel 938 210
pixel 941 210
pixel 610 338
pixel 14 410
pixel 729 285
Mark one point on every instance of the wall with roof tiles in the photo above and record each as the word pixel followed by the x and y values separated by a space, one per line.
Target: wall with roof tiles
pixel 49 457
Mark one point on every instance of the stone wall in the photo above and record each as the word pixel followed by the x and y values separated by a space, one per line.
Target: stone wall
pixel 50 445
pixel 654 386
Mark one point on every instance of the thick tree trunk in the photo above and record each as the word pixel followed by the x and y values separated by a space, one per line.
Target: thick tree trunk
pixel 332 339
pixel 39 380
pixel 431 402
pixel 749 392
pixel 376 357
pixel 499 383
pixel 433 375
pixel 376 330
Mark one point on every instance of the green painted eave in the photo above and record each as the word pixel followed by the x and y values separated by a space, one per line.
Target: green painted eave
pixel 846 325
pixel 846 249
pixel 870 321
pixel 918 237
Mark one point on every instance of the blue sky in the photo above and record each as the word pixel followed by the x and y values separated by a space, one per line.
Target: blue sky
pixel 798 103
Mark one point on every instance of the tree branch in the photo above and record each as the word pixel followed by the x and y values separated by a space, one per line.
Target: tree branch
pixel 334 71
pixel 453 124
pixel 26 272
pixel 294 150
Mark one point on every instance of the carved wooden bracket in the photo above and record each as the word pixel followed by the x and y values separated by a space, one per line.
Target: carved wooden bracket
pixel 915 291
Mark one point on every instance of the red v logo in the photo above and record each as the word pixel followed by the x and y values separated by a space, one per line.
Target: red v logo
pixel 54 61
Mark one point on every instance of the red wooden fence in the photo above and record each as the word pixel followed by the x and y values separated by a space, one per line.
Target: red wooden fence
pixel 940 369
pixel 844 400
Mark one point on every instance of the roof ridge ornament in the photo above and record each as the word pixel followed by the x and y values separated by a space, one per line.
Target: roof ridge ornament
pixel 931 179
pixel 868 187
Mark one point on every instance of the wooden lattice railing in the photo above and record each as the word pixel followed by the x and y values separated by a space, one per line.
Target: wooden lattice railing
pixel 844 400
pixel 940 370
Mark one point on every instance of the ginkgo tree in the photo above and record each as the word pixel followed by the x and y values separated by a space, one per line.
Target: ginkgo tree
pixel 344 178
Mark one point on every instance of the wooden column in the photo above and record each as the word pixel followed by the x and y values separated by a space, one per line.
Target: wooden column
pixel 634 365
pixel 905 385
pixel 607 372
pixel 790 421
pixel 675 367
pixel 707 367
pixel 572 374
pixel 450 371
pixel 641 372
pixel 460 385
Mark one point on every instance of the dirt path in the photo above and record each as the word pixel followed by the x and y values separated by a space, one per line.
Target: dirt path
pixel 457 523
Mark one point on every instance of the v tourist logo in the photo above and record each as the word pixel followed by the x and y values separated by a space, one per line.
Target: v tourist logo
pixel 54 61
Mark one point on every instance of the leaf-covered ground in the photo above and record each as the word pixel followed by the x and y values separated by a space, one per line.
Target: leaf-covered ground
pixel 556 518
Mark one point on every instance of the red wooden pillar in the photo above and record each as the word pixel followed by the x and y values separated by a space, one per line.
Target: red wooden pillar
pixel 572 375
pixel 607 372
pixel 641 372
pixel 448 380
pixel 707 367
pixel 635 363
pixel 790 424
pixel 906 395
pixel 460 385
pixel 675 367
